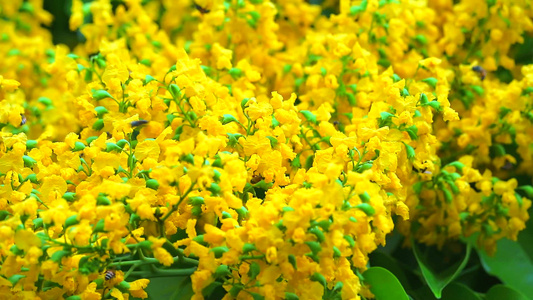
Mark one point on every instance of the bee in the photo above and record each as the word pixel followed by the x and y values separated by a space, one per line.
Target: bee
pixel 138 123
pixel 507 166
pixel 482 72
pixel 23 119
pixel 256 178
pixel 110 274
pixel 202 10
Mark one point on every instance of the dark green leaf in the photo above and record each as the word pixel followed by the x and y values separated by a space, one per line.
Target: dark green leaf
pixel 511 265
pixel 457 291
pixel 384 285
pixel 437 281
pixel 501 292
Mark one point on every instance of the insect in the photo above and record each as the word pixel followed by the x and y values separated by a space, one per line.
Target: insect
pixel 202 10
pixel 256 178
pixel 138 123
pixel 482 72
pixel 23 119
pixel 507 166
pixel 110 274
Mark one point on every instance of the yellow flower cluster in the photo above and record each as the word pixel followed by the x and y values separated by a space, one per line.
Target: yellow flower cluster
pixel 265 147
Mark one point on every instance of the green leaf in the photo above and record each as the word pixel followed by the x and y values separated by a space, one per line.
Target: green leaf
pixel 499 292
pixel 437 281
pixel 384 285
pixel 381 259
pixel 511 265
pixel 172 288
pixel 457 291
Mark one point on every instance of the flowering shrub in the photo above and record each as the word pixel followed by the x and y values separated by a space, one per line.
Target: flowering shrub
pixel 256 149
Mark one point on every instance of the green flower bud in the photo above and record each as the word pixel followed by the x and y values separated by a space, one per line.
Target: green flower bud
pixel 431 81
pixel 99 227
pixel 275 123
pixel 423 99
pixel 214 188
pixel 15 278
pixel 196 200
pixel 435 104
pixel 478 90
pixel 287 68
pixel 98 124
pixel 351 99
pixel 152 184
pixel 458 165
pixel 45 101
pixel 228 119
pixel 112 147
pixel 122 143
pixel 292 261
pixel 366 208
pixel 199 239
pixel 356 9
pixel 28 161
pixel 78 146
pixel 222 271
pixel 336 252
pixel 396 78
pixel 58 255
pixel 338 286
pixel 364 166
pixel 100 111
pixel 365 197
pixel 255 269
pixel 410 152
pixel 314 246
pixel 146 62
pixel 69 196
pixel 101 94
pixel 248 248
pixel 350 240
pixel 318 233
pixel 90 139
pixel 413 132
pixel 30 144
pixel 320 278
pixel 309 116
pixel 447 195
pixel 273 141
pixel 235 73
pixel 219 251
pixel 175 90
pixel 71 221
pixel 421 39
pixel 103 200
pixel 291 296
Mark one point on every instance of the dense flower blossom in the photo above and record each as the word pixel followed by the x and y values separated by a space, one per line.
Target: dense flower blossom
pixel 262 146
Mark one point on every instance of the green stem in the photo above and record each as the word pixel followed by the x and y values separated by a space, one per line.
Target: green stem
pixel 164 272
pixel 175 206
